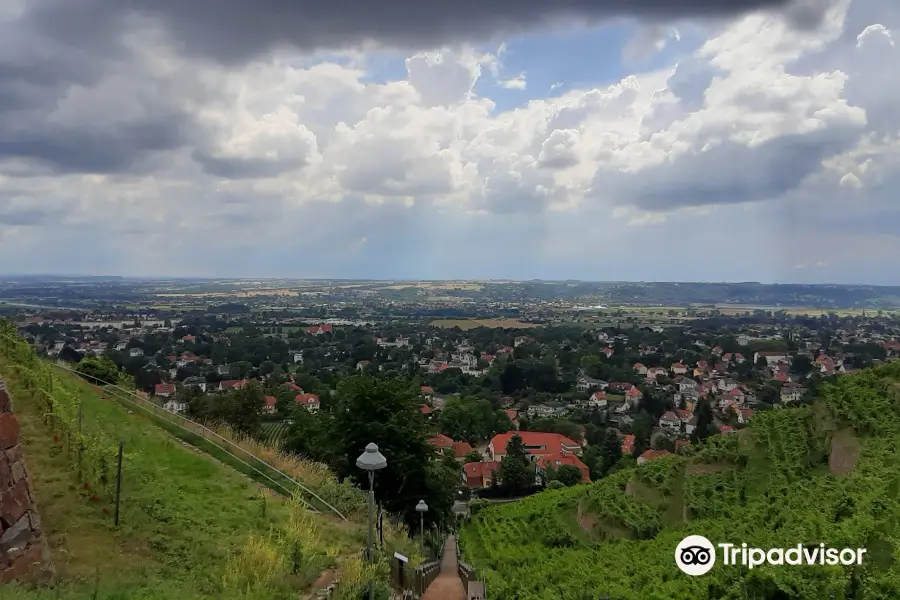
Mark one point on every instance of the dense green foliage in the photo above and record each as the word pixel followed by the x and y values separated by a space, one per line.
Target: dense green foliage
pixel 775 484
pixel 385 412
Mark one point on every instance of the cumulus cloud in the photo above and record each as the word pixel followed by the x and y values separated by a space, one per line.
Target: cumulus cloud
pixel 151 149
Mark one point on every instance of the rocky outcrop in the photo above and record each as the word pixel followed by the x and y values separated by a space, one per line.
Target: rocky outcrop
pixel 24 555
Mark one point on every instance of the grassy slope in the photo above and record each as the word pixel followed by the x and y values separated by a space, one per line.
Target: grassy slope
pixel 770 487
pixel 183 514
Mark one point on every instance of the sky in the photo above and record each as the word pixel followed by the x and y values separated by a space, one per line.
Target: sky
pixel 748 140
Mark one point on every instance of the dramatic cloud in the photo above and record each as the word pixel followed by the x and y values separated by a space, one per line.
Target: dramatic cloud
pixel 227 152
pixel 233 30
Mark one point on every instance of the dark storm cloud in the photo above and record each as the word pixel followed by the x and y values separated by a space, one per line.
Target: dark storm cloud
pixel 730 173
pixel 233 30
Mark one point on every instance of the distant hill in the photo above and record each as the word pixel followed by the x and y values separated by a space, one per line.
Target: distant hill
pixel 824 473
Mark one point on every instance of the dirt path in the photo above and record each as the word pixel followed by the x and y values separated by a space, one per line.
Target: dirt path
pixel 447 585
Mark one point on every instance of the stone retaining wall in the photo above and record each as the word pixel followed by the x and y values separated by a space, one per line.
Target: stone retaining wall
pixel 24 555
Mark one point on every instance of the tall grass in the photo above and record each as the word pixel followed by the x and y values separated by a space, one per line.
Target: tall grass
pixel 343 495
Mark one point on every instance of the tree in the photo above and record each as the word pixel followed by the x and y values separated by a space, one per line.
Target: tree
pixel 516 470
pixel 98 368
pixel 473 456
pixel 705 426
pixel 386 412
pixel 610 451
pixel 569 475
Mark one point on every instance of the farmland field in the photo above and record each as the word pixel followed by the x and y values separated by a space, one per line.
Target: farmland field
pixel 473 323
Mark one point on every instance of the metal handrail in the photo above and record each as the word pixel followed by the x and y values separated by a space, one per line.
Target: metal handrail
pixel 203 428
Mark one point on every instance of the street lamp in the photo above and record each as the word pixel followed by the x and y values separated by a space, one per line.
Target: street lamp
pixel 422 508
pixel 371 460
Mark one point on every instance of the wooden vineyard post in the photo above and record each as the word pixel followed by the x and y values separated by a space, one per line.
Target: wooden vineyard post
pixel 118 484
pixel 80 444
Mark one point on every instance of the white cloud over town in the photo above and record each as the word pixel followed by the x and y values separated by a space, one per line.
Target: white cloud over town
pixel 766 147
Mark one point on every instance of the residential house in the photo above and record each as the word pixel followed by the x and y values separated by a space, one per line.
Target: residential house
pixel 597 400
pixel 536 443
pixel 135 352
pixel 649 455
pixel 546 411
pixel 791 392
pixel 298 357
pixel 627 444
pixel 679 369
pixel 231 384
pixel 320 329
pixel 479 474
pixel 174 405
pixel 608 352
pixel 744 339
pixel 687 386
pixel 743 414
pixel 585 383
pixel 119 347
pixel 195 382
pixel 772 357
pixel 361 365
pixel 555 461
pixel 736 395
pixel 727 384
pixel 443 442
pixel 634 396
pixel 310 401
pixel 670 422
pixel 271 402
pixel 223 370
pixel 640 369
pixel 164 389
pixel 654 372
pixel 691 425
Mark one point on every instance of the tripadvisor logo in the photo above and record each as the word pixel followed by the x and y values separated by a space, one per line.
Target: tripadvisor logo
pixel 696 555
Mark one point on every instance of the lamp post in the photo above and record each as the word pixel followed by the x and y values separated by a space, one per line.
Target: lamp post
pixel 371 460
pixel 422 508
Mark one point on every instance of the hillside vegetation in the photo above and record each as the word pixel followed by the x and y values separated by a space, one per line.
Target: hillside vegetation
pixel 190 526
pixel 827 472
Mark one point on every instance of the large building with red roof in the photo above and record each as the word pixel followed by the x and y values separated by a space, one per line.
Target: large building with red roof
pixel 536 443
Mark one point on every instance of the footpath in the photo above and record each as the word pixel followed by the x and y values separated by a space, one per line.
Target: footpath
pixel 447 585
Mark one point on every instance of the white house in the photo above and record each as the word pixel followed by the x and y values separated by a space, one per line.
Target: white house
pixel 670 422
pixel 175 406
pixel 791 392
pixel 772 358
pixel 298 357
pixel 135 352
pixel 598 400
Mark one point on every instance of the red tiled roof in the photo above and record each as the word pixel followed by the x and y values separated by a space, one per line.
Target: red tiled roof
pixel 271 401
pixel 654 454
pixel 164 388
pixel 460 449
pixel 441 441
pixel 565 458
pixel 307 399
pixel 427 390
pixel 425 410
pixel 478 472
pixel 537 442
pixel 628 444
